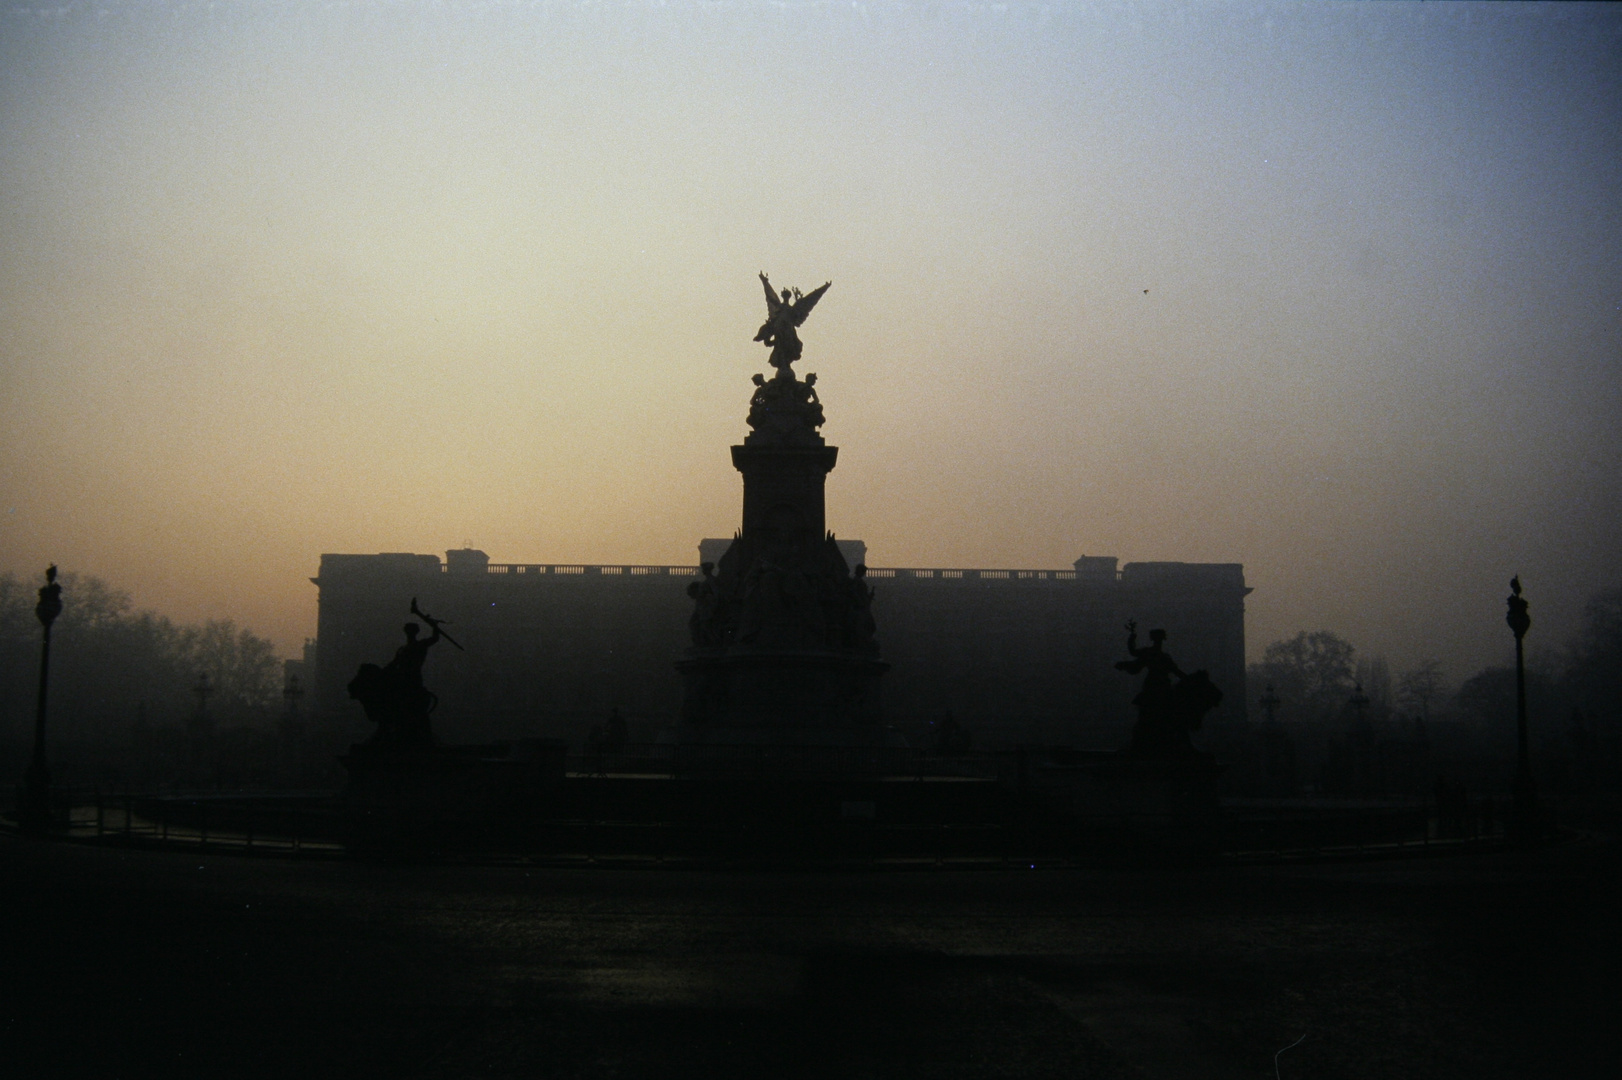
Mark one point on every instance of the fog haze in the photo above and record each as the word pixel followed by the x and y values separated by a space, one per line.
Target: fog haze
pixel 1333 291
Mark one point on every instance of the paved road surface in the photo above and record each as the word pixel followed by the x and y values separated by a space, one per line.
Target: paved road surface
pixel 137 964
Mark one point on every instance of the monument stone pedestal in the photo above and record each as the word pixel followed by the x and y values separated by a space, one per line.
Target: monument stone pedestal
pixel 786 697
pixel 425 796
pixel 1145 807
pixel 784 649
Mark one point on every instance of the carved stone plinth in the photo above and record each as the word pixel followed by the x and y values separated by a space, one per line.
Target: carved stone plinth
pixel 806 698
pixel 1152 808
pixel 449 783
pixel 783 491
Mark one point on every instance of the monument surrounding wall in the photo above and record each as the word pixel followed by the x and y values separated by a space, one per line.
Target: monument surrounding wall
pixel 1011 655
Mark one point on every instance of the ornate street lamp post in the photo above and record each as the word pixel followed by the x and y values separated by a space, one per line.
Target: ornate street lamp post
pixel 1526 798
pixel 35 812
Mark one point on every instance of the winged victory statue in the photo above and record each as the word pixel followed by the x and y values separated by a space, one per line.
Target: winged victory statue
pixel 783 315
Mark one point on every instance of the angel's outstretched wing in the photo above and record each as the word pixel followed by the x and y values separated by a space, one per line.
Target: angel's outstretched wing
pixel 802 307
pixel 772 302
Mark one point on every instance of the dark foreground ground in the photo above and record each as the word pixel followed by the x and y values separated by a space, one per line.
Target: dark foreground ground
pixel 135 964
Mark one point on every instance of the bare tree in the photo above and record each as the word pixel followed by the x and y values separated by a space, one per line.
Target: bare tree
pixel 1312 673
pixel 1594 671
pixel 1419 686
pixel 1374 676
pixel 110 661
pixel 243 668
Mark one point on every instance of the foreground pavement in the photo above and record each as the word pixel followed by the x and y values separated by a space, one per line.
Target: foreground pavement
pixel 124 963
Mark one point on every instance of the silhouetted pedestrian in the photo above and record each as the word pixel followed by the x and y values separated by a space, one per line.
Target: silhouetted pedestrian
pixel 616 735
pixel 594 749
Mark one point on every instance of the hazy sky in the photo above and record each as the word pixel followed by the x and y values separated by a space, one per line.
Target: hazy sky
pixel 279 279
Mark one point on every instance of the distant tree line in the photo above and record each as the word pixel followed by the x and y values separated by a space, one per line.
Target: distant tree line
pixel 1315 673
pixel 110 662
pixel 122 702
pixel 1574 698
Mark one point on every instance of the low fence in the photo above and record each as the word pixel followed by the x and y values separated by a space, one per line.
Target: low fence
pixel 287 824
pixel 313 825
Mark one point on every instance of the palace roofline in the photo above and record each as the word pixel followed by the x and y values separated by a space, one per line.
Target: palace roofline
pixel 1094 570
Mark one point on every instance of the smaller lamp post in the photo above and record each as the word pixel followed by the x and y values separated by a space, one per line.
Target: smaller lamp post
pixel 1277 750
pixel 1526 798
pixel 1365 771
pixel 1362 733
pixel 202 691
pixel 35 813
pixel 291 692
pixel 1358 701
pixel 200 725
pixel 1269 702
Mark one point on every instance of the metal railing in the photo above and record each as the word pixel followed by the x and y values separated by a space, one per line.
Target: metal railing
pixel 1264 830
pixel 938 574
pixel 554 570
pixel 246 824
pixel 579 570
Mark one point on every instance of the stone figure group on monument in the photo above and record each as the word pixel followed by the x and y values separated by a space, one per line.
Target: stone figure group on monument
pixel 1167 711
pixel 788 599
pixel 394 696
pixel 785 410
pixel 703 626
